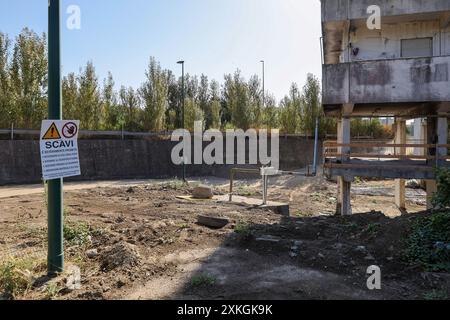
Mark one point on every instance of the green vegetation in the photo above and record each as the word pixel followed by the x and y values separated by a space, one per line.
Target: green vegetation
pixel 51 291
pixel 370 128
pixel 436 295
pixel 372 229
pixel 202 280
pixel 243 229
pixel 155 105
pixel 441 199
pixel 76 233
pixel 174 185
pixel 245 191
pixel 16 275
pixel 429 241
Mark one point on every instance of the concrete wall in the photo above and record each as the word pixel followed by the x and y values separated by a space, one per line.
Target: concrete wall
pixel 387 81
pixel 424 21
pixel 386 43
pixel 129 159
pixel 336 10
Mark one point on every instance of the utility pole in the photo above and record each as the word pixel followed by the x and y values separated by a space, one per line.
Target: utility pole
pixel 263 82
pixel 183 114
pixel 55 187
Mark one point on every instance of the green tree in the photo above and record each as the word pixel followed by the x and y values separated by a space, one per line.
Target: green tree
pixel 193 114
pixel 70 96
pixel 5 93
pixel 270 114
pixel 114 116
pixel 236 100
pixel 154 93
pixel 215 105
pixel 28 76
pixel 130 107
pixel 255 101
pixel 312 108
pixel 290 113
pixel 204 100
pixel 89 107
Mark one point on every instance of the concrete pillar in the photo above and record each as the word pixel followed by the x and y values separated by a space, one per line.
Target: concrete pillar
pixel 431 190
pixel 400 184
pixel 344 136
pixel 442 137
pixel 344 206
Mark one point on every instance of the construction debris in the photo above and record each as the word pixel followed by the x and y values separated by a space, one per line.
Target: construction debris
pixel 212 222
pixel 202 192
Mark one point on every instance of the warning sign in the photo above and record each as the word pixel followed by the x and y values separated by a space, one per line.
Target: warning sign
pixel 52 133
pixel 59 149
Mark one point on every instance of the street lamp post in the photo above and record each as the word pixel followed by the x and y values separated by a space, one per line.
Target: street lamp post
pixel 55 187
pixel 263 82
pixel 183 113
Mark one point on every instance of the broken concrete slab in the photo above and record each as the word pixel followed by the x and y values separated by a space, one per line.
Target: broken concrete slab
pixel 203 192
pixel 212 222
pixel 268 238
pixel 277 207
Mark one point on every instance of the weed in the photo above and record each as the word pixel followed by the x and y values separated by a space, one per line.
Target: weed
pixel 299 214
pixel 174 185
pixel 202 280
pixel 441 198
pixel 242 229
pixel 245 192
pixel 76 233
pixel 52 291
pixel 373 229
pixel 352 226
pixel 429 242
pixel 16 276
pixel 436 295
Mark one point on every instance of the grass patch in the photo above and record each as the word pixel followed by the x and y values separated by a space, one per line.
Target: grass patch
pixel 373 229
pixel 300 214
pixel 202 280
pixel 429 242
pixel 436 295
pixel 245 192
pixel 16 276
pixel 174 185
pixel 52 291
pixel 243 229
pixel 77 233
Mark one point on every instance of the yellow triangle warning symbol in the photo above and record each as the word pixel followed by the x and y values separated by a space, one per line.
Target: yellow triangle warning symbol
pixel 52 133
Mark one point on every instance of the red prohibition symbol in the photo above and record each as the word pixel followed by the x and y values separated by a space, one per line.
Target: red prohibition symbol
pixel 69 130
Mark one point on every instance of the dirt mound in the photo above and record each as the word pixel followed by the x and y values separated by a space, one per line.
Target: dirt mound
pixel 121 255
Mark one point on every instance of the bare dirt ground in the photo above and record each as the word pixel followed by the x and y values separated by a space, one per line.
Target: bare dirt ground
pixel 137 240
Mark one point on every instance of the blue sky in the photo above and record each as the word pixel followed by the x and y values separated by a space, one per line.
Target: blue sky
pixel 214 37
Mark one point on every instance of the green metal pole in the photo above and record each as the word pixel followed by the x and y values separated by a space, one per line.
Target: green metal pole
pixel 55 187
pixel 184 123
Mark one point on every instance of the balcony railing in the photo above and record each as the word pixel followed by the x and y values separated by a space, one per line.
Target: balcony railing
pixel 382 151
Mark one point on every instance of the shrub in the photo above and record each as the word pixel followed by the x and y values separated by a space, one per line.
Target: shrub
pixel 16 276
pixel 441 198
pixel 76 233
pixel 429 242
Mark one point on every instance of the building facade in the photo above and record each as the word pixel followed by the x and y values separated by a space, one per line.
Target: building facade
pixel 387 58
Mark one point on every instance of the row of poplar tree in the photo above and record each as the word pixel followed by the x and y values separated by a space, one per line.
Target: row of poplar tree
pixel 155 106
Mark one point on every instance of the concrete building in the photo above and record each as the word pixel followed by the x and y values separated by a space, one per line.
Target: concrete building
pixel 386 58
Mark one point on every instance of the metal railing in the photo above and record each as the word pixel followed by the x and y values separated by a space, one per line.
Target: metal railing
pixel 382 151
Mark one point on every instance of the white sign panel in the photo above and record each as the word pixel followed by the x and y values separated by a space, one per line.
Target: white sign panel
pixel 59 149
